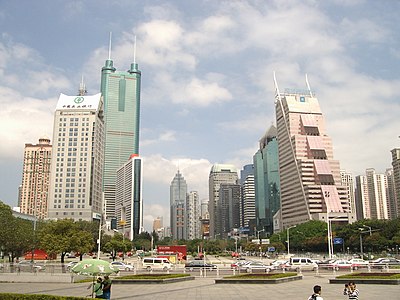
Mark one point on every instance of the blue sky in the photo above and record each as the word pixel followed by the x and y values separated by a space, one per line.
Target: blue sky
pixel 207 78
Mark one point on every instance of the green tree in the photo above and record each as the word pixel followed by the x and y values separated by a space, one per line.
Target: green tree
pixel 62 236
pixel 16 235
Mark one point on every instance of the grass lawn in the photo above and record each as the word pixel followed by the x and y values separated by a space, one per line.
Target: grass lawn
pixel 370 276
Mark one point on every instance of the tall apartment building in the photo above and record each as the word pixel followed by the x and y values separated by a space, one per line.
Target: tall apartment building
pixel 33 193
pixel 158 227
pixel 193 215
pixel 361 198
pixel 77 163
pixel 310 179
pixel 121 94
pixel 266 181
pixel 347 180
pixel 396 176
pixel 247 203
pixel 377 187
pixel 178 192
pixel 158 224
pixel 219 174
pixel 128 198
pixel 228 210
pixel 391 194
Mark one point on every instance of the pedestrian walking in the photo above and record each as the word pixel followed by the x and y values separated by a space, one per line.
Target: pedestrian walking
pixel 317 293
pixel 107 287
pixel 98 288
pixel 351 290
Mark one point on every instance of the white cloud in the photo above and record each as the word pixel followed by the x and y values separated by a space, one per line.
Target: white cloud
pixel 25 117
pixel 23 120
pixel 201 93
pixel 363 30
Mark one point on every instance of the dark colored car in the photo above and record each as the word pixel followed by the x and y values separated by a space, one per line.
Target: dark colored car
pixel 199 264
pixel 383 262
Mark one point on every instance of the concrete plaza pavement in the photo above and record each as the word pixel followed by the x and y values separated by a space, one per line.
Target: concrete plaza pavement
pixel 205 288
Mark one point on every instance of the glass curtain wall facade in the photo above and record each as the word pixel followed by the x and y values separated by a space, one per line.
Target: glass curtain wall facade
pixel 267 185
pixel 121 94
pixel 128 202
pixel 178 193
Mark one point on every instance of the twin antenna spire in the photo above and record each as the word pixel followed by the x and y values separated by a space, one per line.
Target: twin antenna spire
pixel 278 94
pixel 134 49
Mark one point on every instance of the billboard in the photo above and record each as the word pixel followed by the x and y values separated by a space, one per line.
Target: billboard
pixel 78 102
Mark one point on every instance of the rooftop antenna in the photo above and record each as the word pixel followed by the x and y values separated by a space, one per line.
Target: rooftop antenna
pixel 134 51
pixel 109 47
pixel 278 94
pixel 82 88
pixel 308 85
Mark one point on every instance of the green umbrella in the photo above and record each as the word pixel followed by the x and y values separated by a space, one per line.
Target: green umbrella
pixel 93 267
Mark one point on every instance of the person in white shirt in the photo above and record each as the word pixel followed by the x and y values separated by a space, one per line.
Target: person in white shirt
pixel 317 293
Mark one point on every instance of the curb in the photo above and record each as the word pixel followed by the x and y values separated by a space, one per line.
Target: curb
pixel 151 281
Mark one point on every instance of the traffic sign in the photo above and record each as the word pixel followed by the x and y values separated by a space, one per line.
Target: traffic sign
pixel 271 249
pixel 337 241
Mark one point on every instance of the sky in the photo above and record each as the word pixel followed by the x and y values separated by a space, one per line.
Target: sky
pixel 207 78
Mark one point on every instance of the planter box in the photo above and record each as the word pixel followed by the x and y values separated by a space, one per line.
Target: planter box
pixel 365 281
pixel 258 281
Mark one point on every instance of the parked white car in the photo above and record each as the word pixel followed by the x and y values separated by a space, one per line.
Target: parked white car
pixel 301 263
pixel 122 266
pixel 357 263
pixel 254 266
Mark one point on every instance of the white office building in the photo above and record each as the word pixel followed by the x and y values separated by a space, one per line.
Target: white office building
pixel 77 158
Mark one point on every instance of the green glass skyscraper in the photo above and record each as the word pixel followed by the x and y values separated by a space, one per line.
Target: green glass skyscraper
pixel 121 96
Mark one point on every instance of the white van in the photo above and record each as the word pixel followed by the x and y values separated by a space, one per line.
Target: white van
pixel 301 263
pixel 150 263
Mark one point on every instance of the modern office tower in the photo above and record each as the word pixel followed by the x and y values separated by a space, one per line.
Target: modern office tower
pixel 396 174
pixel 219 173
pixel 361 198
pixel 77 163
pixel 377 186
pixel 247 203
pixel 347 180
pixel 391 194
pixel 121 94
pixel 193 215
pixel 310 179
pixel 266 181
pixel 128 198
pixel 178 191
pixel 33 193
pixel 228 210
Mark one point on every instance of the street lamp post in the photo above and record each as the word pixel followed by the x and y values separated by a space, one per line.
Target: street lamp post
pixel 288 240
pixel 361 241
pixel 370 229
pixel 258 238
pixel 330 236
